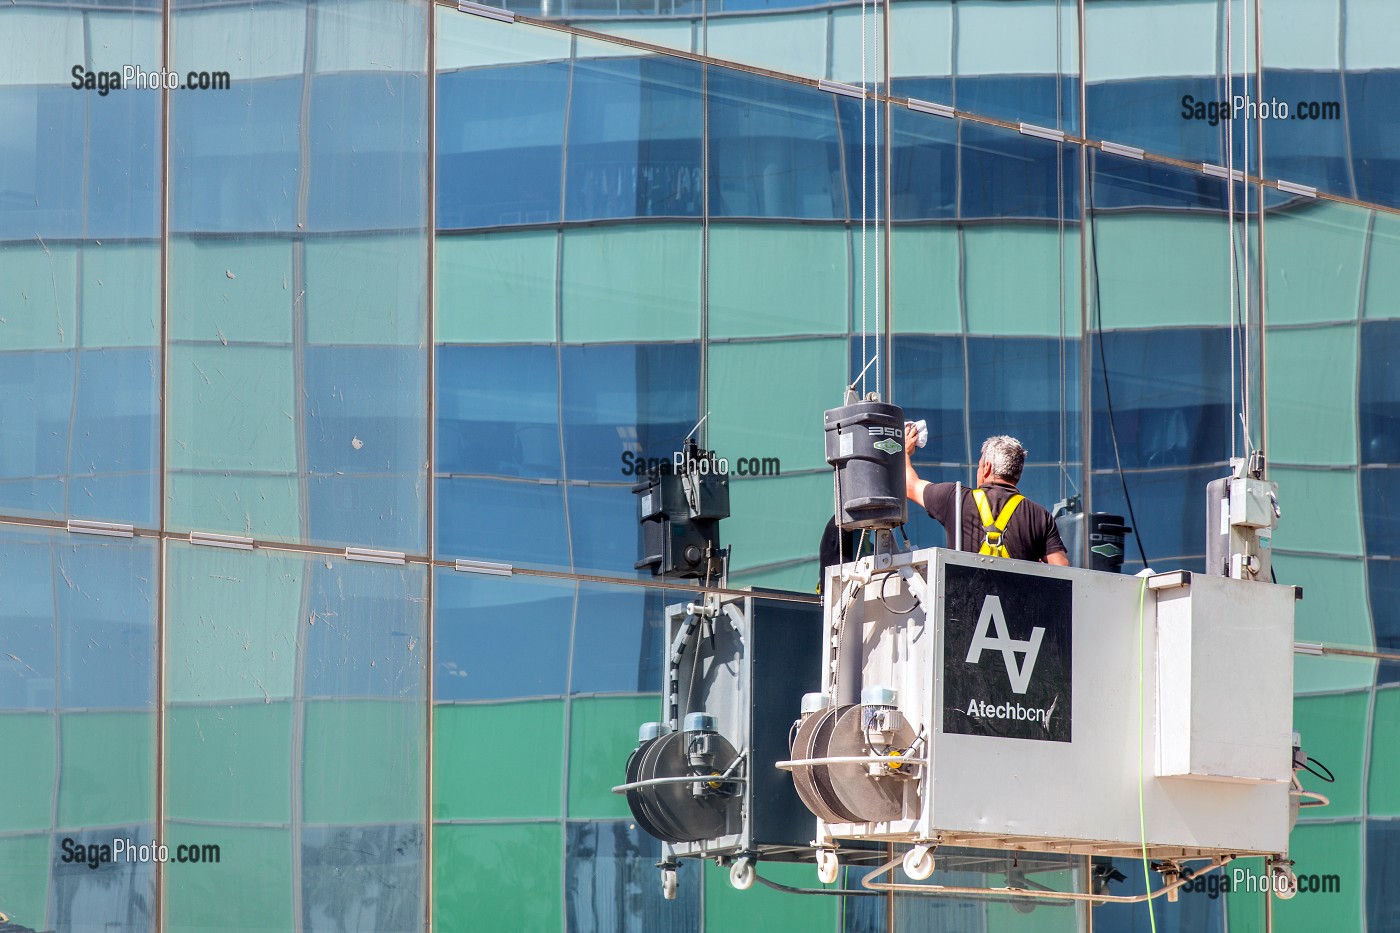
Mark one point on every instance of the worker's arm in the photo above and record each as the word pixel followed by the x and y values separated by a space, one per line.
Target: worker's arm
pixel 1058 558
pixel 913 486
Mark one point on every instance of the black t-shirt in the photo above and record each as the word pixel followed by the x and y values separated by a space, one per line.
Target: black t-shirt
pixel 1030 535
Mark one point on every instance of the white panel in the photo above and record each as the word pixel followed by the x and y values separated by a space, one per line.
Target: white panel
pixel 23 60
pixel 1302 34
pixel 266 43
pixel 371 35
pixel 792 42
pixel 1372 27
pixel 467 41
pixel 999 38
pixel 1127 39
pixel 119 39
pixel 921 40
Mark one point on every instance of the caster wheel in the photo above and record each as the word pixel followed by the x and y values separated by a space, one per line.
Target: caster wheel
pixel 741 874
pixel 827 866
pixel 668 883
pixel 918 863
pixel 1283 882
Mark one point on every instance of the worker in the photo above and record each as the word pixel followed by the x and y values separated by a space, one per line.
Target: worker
pixel 996 518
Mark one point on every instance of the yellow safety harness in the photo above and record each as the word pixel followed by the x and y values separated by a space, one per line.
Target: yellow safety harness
pixel 994 529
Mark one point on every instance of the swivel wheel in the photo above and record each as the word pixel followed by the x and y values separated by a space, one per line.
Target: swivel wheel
pixel 828 866
pixel 741 874
pixel 668 883
pixel 918 863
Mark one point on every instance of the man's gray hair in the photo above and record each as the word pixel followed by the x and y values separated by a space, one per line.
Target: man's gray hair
pixel 1006 457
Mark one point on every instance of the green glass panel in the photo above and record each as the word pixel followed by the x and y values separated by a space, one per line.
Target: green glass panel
pixel 249 888
pixel 776 519
pixel 1312 395
pixel 924 299
pixel 1383 797
pixel 120 301
pixel 761 909
pixel 232 408
pixel 632 283
pixel 367 290
pixel 1314 263
pixel 265 506
pixel 1162 270
pixel 467 787
pixel 28 798
pixel 796 578
pixel 1329 673
pixel 1333 731
pixel 1383 268
pixel 24 879
pixel 496 287
pixel 1331 895
pixel 767 399
pixel 1320 510
pixel 231 623
pixel 229 763
pixel 774 279
pixel 498 877
pixel 108 769
pixel 1013 280
pixel 342 784
pixel 38 296
pixel 1333 609
pixel 231 291
pixel 602 733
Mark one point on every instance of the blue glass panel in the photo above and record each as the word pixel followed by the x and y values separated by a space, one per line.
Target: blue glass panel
pixel 1375 136
pixel 928 384
pixel 498 638
pixel 106 609
pixel 36 402
pixel 367 137
pixel 1307 151
pixel 1380 393
pixel 612 885
pixel 234 157
pixel 923 165
pixel 635 127
pixel 27 663
pixel 123 196
pixel 603 523
pixel 1006 174
pixel 1016 390
pixel 486 176
pixel 1382 872
pixel 369 636
pixel 362 877
pixel 115 432
pixel 775 150
pixel 42 160
pixel 1383 577
pixel 618 640
pixel 627 399
pixel 1155 114
pixel 498 411
pixel 1170 508
pixel 1163 415
pixel 119 894
pixel 1380 509
pixel 1122 182
pixel 515 522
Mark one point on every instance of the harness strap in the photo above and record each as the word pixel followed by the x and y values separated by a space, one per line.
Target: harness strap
pixel 993 529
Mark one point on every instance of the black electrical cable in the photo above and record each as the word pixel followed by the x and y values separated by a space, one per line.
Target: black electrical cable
pixel 830 892
pixel 1330 778
pixel 1103 364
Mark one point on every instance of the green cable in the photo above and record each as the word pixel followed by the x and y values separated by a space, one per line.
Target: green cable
pixel 1142 815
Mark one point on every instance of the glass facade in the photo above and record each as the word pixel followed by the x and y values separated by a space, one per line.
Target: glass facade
pixel 420 286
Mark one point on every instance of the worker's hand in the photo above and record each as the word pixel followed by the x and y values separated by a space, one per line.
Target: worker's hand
pixel 911 438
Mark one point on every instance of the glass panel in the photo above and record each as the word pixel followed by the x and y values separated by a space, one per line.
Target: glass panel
pixel 467 787
pixel 1312 412
pixel 1384 580
pixel 619 645
pixel 1008 175
pixel 1382 293
pixel 769 280
pixel 1382 870
pixel 363 876
pixel 1379 394
pixel 761 907
pixel 602 733
pixel 1170 528
pixel 1315 256
pixel 631 283
pixel 1383 795
pixel 251 858
pixel 613 885
pixel 496 287
pixel 1333 730
pixel 1316 522
pixel 1328 863
pixel 478 883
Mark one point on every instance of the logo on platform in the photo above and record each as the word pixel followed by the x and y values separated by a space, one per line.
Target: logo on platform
pixel 1007 653
pixel 993 618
